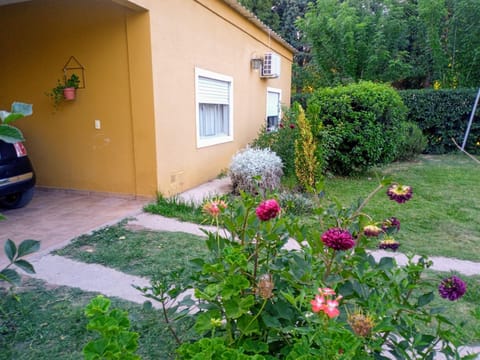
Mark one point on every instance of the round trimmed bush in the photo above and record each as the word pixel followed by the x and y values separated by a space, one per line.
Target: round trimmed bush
pixel 356 125
pixel 255 169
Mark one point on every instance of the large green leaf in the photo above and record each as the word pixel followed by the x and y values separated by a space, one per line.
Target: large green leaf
pixel 425 299
pixel 10 275
pixel 25 266
pixel 27 247
pixel 10 249
pixel 12 117
pixel 237 306
pixel 10 134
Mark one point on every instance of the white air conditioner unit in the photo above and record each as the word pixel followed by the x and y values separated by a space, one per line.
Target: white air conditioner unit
pixel 271 65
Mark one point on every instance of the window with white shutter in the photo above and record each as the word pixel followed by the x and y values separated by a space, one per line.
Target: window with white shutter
pixel 214 103
pixel 273 108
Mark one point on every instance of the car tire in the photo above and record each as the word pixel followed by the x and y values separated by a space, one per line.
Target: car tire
pixel 16 200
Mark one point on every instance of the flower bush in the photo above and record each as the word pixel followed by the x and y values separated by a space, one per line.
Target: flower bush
pixel 273 288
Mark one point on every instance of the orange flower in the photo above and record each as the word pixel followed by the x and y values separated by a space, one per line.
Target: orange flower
pixel 214 207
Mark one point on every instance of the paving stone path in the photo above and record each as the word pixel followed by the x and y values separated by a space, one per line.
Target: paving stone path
pixel 93 277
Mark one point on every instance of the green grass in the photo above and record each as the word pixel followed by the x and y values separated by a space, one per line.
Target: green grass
pixel 442 218
pixel 44 322
pixel 176 208
pixel 465 311
pixel 144 253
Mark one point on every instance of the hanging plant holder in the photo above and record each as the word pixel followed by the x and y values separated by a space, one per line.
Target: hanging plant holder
pixel 73 79
pixel 73 67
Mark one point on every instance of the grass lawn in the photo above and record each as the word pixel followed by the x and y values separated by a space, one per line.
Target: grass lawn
pixel 44 322
pixel 442 218
pixel 144 253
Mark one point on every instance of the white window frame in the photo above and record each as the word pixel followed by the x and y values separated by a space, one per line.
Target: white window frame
pixel 279 92
pixel 213 140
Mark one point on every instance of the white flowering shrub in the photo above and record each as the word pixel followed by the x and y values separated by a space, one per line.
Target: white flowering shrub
pixel 255 169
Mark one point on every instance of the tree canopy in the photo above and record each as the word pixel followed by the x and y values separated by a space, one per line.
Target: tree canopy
pixel 408 43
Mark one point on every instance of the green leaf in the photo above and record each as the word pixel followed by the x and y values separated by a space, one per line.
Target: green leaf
pixel 255 347
pixel 10 249
pixel 425 299
pixel 234 285
pixel 27 247
pixel 207 321
pixel 236 307
pixel 247 324
pixel 25 266
pixel 12 117
pixel 97 306
pixel 386 181
pixel 10 275
pixel 386 263
pixel 271 321
pixel 10 134
pixel 95 349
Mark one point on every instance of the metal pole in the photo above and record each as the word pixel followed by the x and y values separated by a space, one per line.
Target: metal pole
pixel 471 120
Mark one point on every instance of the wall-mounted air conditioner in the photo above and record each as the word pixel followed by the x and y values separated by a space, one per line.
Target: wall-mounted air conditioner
pixel 271 65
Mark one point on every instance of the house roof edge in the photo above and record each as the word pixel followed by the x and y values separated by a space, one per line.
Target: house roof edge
pixel 257 22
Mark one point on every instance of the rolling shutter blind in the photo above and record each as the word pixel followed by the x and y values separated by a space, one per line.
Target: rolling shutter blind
pixel 211 91
pixel 273 103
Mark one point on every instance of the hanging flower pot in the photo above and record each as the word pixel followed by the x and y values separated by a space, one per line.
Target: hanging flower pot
pixel 69 93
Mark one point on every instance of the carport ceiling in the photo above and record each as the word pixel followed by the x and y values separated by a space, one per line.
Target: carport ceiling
pixel 6 2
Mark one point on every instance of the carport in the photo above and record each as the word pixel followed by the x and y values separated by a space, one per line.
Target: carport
pixel 104 140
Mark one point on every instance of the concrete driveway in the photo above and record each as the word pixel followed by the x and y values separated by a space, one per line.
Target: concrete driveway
pixel 56 216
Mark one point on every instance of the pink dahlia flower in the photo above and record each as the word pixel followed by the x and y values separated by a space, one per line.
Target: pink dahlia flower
pixel 268 209
pixel 338 239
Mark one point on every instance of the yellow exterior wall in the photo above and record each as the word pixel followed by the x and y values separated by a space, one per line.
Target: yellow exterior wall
pixel 66 149
pixel 139 58
pixel 212 36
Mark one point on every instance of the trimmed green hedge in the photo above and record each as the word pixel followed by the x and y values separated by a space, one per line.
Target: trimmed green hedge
pixel 357 126
pixel 443 115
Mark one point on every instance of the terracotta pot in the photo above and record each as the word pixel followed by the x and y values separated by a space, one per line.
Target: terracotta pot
pixel 69 93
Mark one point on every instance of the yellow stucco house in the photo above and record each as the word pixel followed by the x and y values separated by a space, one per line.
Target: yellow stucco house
pixel 170 89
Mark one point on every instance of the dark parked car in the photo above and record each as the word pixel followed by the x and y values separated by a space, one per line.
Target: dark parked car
pixel 17 177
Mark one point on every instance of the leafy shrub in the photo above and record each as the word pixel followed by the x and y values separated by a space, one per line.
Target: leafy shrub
pixel 356 125
pixel 296 203
pixel 116 341
pixel 255 169
pixel 256 299
pixel 282 140
pixel 412 142
pixel 443 115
